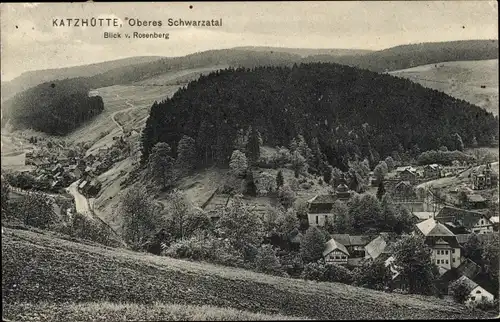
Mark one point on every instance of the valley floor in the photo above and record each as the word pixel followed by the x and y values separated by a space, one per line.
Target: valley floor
pixel 41 274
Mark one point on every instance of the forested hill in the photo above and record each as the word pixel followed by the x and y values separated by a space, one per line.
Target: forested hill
pixel 54 108
pixel 33 78
pixel 350 111
pixel 407 56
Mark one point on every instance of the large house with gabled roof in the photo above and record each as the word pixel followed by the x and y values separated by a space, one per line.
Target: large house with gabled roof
pixel 319 208
pixel 446 251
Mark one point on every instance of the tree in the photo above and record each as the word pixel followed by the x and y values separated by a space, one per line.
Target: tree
pixel 458 143
pixel 286 221
pixel 380 190
pixel 253 146
pixel 238 163
pixel 474 142
pixel 313 245
pixel 390 163
pixel 340 212
pixel 141 217
pixel 283 156
pixel 490 256
pixel 266 183
pixel 240 225
pixel 36 210
pixel 327 174
pixel 5 197
pixel 298 163
pixel 365 214
pixel 337 176
pixel 372 274
pixel 267 262
pixel 286 196
pixel 337 273
pixel 178 213
pixel 279 179
pixel 160 165
pixel 473 248
pixel 413 257
pixel 380 171
pixel 186 155
pixel 460 291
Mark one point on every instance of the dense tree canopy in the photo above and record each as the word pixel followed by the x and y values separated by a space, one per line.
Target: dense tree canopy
pixel 55 108
pixel 345 109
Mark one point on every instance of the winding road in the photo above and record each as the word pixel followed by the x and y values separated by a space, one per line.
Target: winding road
pixel 81 203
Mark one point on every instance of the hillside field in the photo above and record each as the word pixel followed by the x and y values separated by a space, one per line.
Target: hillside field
pixel 473 81
pixel 46 272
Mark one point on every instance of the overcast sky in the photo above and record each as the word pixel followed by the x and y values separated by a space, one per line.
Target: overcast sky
pixel 30 42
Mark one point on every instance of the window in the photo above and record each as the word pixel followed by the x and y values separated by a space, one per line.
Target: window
pixel 453 251
pixel 478 292
pixel 447 262
pixel 453 260
pixel 446 252
pixel 482 222
pixel 473 298
pixel 317 220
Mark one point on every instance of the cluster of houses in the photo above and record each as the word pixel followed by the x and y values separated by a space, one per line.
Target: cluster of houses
pixel 447 254
pixel 445 229
pixel 57 172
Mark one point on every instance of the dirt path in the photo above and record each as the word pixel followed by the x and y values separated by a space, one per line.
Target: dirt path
pixel 131 107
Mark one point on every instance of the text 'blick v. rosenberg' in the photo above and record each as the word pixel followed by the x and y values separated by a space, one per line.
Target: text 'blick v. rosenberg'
pixel 137 35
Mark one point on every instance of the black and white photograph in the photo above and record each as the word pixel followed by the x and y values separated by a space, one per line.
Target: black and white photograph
pixel 251 160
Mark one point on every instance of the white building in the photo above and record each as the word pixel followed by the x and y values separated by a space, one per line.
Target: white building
pixel 335 253
pixel 444 244
pixel 477 294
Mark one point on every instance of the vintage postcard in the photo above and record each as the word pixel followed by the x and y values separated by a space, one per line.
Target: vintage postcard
pixel 249 160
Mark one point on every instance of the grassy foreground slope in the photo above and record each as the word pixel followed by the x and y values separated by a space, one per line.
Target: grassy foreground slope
pixel 40 268
pixel 106 311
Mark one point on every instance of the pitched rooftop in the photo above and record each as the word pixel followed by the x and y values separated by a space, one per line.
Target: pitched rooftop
pixel 431 227
pixel 332 245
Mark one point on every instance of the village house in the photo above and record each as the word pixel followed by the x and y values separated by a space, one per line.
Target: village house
pixel 355 245
pixel 475 201
pixel 484 178
pixel 432 171
pixel 378 247
pixel 471 221
pixel 407 174
pixel 75 171
pixel 423 215
pixel 446 252
pixel 404 191
pixel 335 253
pixel 319 208
pixel 478 293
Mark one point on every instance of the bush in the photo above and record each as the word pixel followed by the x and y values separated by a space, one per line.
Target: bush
pixel 210 249
pixel 337 273
pixel 267 262
pixel 82 227
pixel 460 291
pixel 488 306
pixel 315 271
